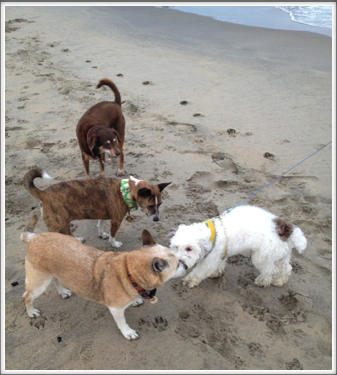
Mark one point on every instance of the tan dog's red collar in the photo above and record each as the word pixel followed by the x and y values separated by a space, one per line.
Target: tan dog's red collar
pixel 143 292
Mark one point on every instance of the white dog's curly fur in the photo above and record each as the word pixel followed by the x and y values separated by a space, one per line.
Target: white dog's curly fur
pixel 247 230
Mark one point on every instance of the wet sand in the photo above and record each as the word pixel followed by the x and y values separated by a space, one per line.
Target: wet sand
pixel 219 110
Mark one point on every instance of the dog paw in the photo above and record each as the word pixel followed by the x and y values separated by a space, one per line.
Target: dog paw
pixel 262 282
pixel 130 334
pixel 139 302
pixel 120 172
pixel 216 274
pixel 33 313
pixel 191 281
pixel 66 293
pixel 104 235
pixel 115 243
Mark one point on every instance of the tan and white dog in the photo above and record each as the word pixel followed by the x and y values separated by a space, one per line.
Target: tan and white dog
pixel 98 199
pixel 115 280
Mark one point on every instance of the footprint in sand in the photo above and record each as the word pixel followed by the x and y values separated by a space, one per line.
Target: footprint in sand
pixel 184 102
pixel 268 155
pixel 120 75
pixel 197 114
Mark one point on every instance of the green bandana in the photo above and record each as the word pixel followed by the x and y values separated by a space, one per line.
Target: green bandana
pixel 125 190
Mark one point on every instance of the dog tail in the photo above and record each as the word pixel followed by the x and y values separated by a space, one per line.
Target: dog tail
pixel 28 182
pixel 298 241
pixel 27 233
pixel 108 82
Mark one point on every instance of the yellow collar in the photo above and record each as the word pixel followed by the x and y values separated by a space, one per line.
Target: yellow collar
pixel 210 224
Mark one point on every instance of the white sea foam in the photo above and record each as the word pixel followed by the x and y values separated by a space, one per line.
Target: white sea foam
pixel 320 16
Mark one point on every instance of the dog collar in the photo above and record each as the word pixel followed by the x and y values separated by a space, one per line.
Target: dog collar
pixel 210 224
pixel 125 190
pixel 143 292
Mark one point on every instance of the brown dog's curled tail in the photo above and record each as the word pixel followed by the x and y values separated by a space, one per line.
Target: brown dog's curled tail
pixel 27 233
pixel 29 184
pixel 108 82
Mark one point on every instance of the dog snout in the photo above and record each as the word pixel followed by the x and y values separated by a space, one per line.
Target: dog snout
pixel 156 218
pixel 183 264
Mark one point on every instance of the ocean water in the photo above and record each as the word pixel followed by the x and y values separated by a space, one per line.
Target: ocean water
pixel 302 18
pixel 320 16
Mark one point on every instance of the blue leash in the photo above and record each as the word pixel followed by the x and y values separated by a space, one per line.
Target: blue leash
pixel 263 187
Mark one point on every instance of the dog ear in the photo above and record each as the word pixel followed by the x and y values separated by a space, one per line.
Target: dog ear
pixel 92 141
pixel 159 265
pixel 147 238
pixel 145 192
pixel 117 135
pixel 163 185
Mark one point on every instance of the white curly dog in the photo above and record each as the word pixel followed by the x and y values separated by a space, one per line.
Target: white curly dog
pixel 246 230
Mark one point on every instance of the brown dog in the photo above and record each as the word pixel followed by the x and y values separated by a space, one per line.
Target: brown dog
pixel 115 280
pixel 101 131
pixel 98 199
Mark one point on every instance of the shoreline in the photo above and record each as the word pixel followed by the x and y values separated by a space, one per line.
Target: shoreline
pixel 269 17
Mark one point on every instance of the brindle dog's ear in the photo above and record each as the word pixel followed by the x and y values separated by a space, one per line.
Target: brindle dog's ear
pixel 163 185
pixel 92 141
pixel 145 192
pixel 147 238
pixel 159 265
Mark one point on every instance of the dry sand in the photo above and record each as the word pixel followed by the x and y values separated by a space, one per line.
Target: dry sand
pixel 271 87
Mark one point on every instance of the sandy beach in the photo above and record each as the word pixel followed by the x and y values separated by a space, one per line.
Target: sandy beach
pixel 219 110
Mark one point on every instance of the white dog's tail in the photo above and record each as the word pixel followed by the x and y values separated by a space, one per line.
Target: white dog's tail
pixel 27 233
pixel 297 240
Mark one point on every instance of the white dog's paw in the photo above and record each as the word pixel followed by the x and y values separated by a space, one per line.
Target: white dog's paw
pixel 104 235
pixel 280 281
pixel 262 282
pixel 120 172
pixel 33 313
pixel 81 239
pixel 66 293
pixel 130 334
pixel 139 302
pixel 216 274
pixel 191 281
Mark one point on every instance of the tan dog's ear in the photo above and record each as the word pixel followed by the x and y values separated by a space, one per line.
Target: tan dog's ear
pixel 92 141
pixel 147 238
pixel 159 265
pixel 163 185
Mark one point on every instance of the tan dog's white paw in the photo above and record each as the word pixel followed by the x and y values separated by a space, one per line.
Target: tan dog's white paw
pixel 139 302
pixel 33 313
pixel 120 172
pixel 130 334
pixel 191 281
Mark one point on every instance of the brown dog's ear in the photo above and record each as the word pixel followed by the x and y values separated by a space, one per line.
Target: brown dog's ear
pixel 145 192
pixel 147 238
pixel 92 141
pixel 159 265
pixel 163 185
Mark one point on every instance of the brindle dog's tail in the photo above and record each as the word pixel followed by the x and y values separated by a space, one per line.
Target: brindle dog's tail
pixel 27 233
pixel 108 82
pixel 28 182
